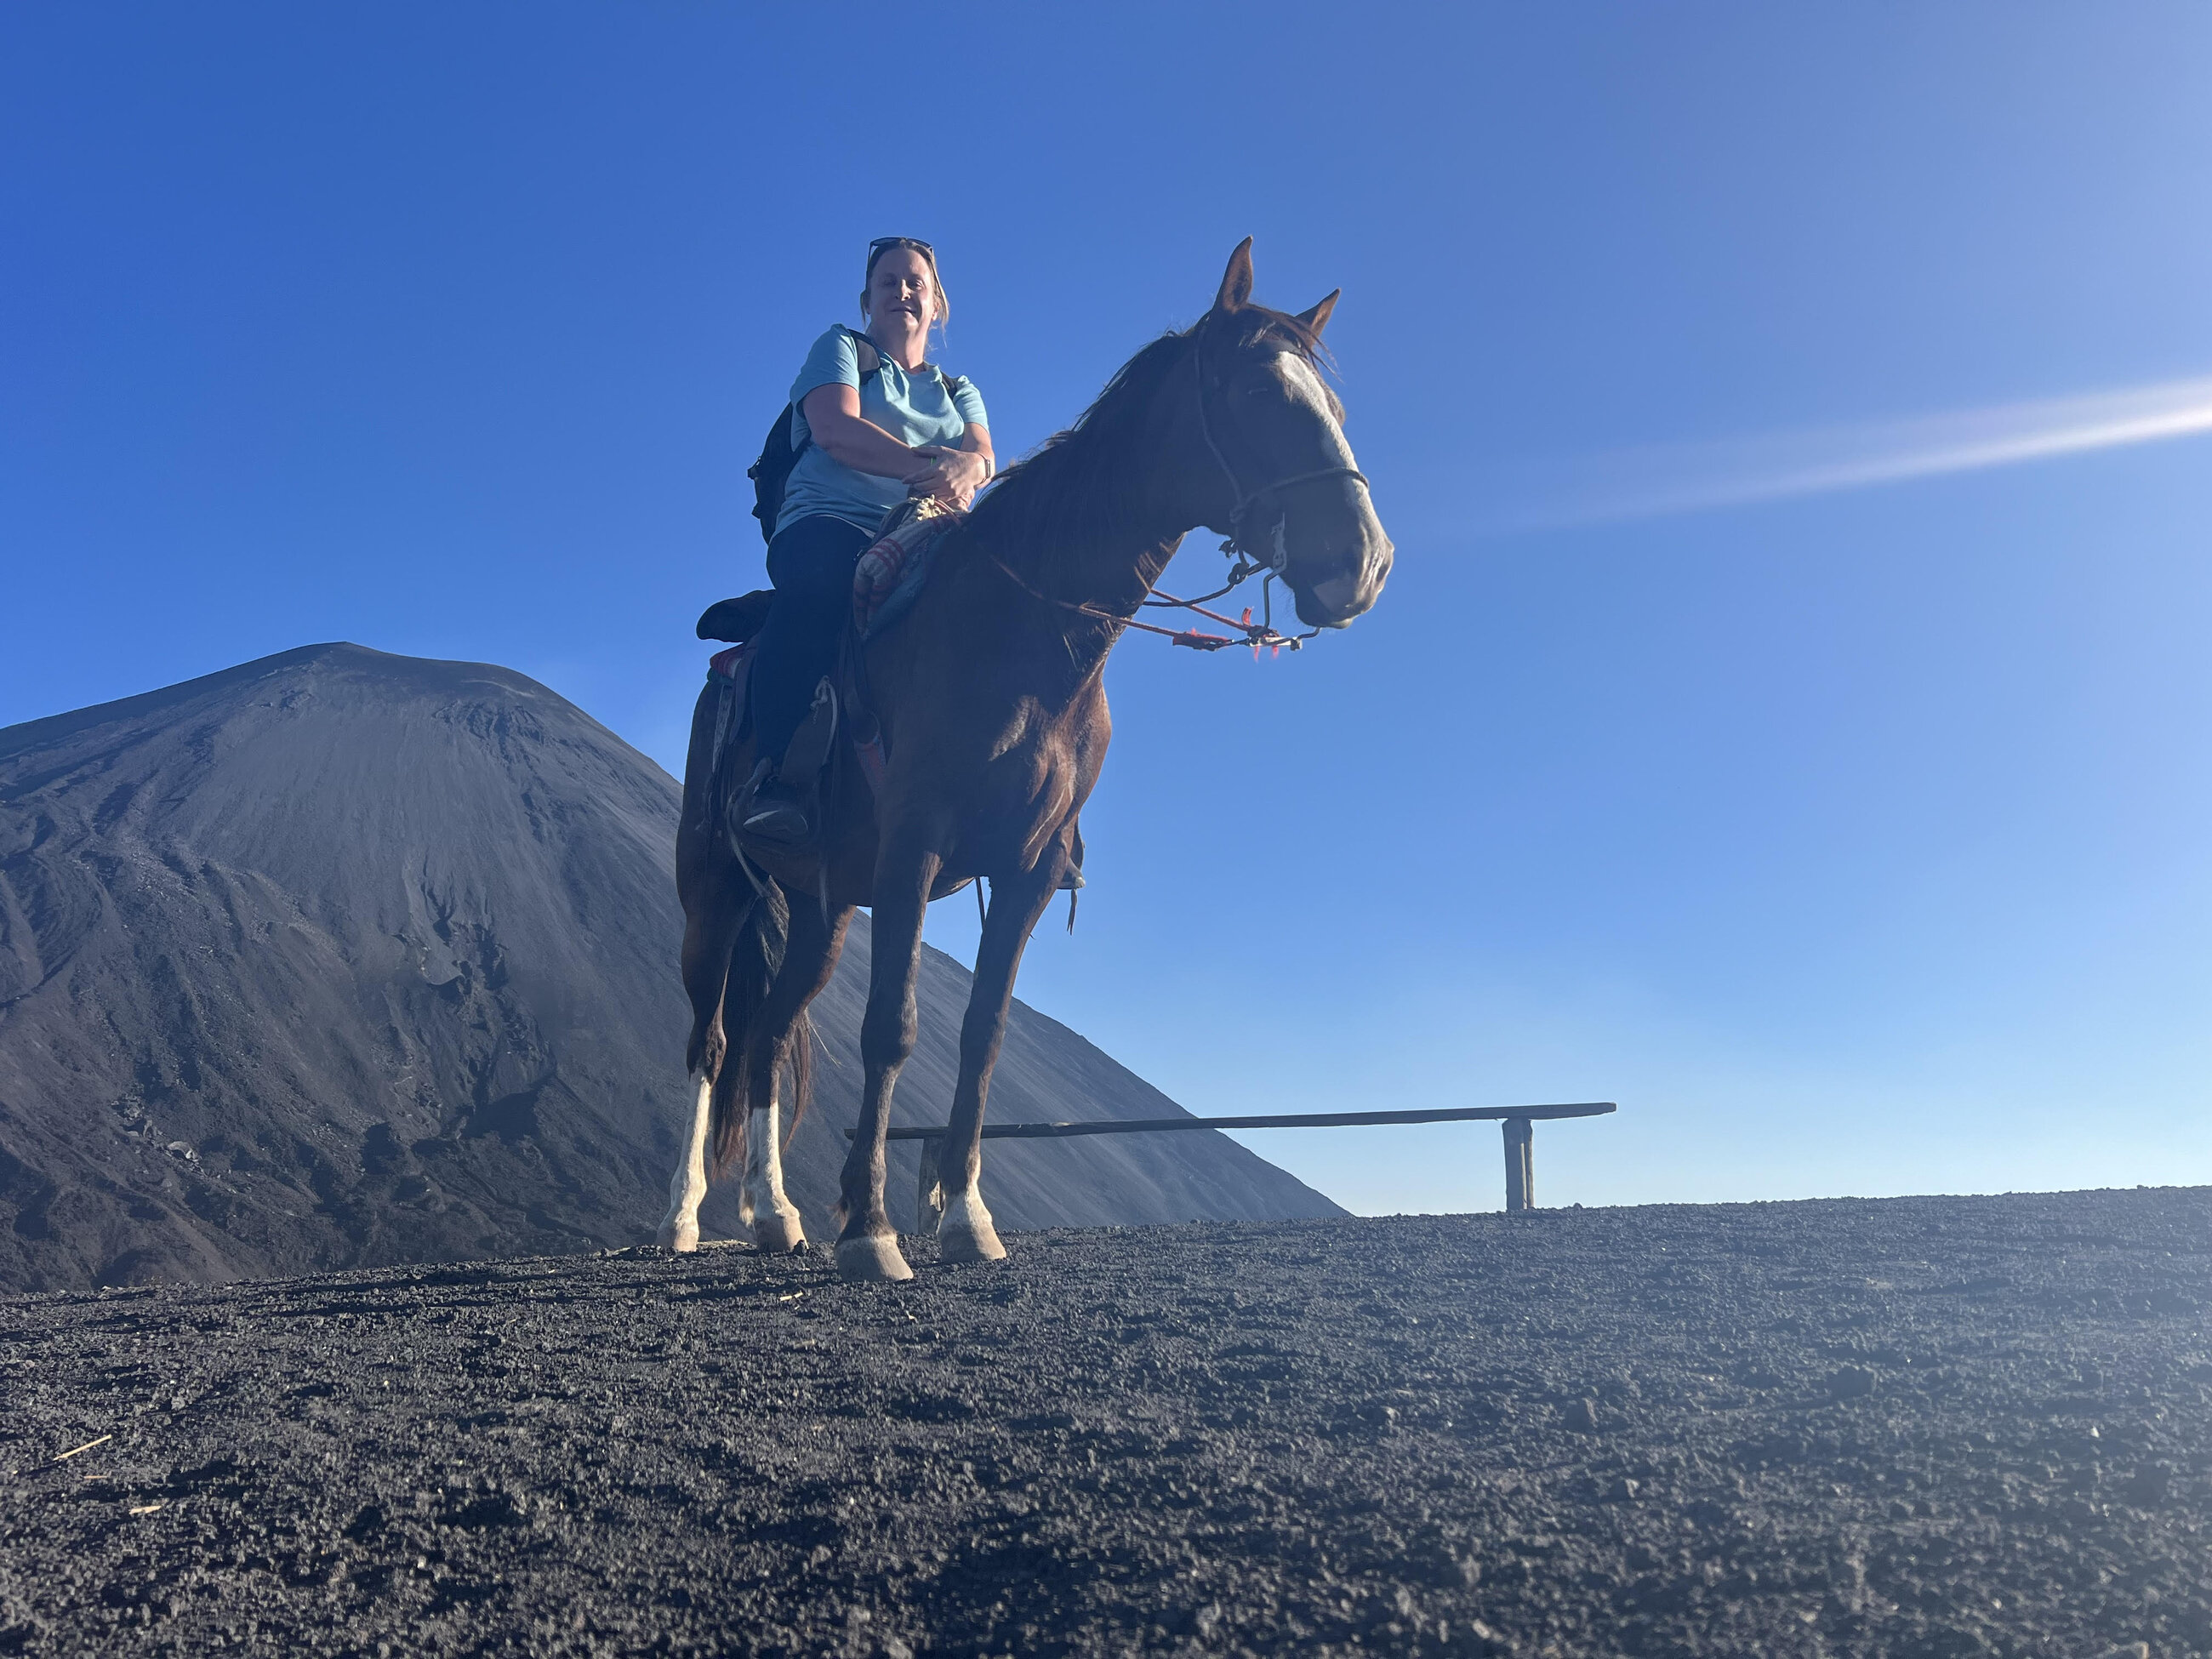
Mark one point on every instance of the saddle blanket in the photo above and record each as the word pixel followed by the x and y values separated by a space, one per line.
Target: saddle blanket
pixel 891 574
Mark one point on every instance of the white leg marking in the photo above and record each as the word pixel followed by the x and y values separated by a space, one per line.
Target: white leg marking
pixel 965 1233
pixel 679 1229
pixel 773 1216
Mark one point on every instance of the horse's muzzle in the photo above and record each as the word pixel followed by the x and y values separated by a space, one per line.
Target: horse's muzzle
pixel 1351 592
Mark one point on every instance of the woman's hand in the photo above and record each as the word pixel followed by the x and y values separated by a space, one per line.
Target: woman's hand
pixel 952 476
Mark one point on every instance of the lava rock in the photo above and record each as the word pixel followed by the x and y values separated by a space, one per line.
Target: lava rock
pixel 1851 1383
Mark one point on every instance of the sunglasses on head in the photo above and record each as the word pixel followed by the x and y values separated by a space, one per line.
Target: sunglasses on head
pixel 883 243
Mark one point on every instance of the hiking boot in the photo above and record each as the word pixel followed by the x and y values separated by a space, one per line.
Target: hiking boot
pixel 773 812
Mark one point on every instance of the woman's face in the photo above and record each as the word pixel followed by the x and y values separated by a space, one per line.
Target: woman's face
pixel 900 285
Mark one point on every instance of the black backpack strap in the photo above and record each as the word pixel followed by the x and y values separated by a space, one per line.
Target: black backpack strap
pixel 779 453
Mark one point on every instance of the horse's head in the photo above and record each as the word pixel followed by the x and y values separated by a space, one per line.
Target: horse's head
pixel 1280 478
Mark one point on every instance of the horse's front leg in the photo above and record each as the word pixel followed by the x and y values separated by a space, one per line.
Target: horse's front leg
pixel 964 1232
pixel 868 1248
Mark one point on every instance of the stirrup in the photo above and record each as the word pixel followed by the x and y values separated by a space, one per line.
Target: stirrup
pixel 781 820
pixel 809 745
pixel 774 805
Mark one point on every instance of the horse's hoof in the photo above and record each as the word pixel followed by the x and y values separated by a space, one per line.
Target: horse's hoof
pixel 970 1244
pixel 965 1233
pixel 872 1259
pixel 778 1232
pixel 683 1240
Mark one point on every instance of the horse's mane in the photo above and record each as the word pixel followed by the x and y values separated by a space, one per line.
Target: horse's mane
pixel 1086 475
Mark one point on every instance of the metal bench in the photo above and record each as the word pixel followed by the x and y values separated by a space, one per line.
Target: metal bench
pixel 1518 1123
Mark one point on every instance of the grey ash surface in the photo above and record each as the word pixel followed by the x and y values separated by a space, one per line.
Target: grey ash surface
pixel 1928 1427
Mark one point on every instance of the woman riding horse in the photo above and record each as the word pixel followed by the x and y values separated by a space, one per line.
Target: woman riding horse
pixel 871 423
pixel 990 704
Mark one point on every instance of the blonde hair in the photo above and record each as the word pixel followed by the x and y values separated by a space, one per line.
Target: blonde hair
pixel 884 245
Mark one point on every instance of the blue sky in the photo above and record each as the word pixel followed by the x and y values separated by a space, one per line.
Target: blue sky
pixel 1857 841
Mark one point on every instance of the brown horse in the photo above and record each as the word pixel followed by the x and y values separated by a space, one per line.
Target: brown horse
pixel 993 708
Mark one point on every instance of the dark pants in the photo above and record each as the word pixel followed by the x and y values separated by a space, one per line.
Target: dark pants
pixel 810 562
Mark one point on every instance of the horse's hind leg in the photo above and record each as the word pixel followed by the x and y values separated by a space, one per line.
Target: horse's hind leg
pixel 687 1187
pixel 709 932
pixel 964 1232
pixel 784 1034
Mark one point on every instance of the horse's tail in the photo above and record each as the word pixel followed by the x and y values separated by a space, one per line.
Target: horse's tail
pixel 755 961
pixel 800 1058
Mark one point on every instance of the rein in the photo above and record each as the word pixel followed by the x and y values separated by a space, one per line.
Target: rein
pixel 1256 634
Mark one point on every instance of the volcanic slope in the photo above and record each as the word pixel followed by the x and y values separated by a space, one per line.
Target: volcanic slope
pixel 338 959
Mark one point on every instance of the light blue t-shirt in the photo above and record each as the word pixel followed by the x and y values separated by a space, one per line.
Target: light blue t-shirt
pixel 923 407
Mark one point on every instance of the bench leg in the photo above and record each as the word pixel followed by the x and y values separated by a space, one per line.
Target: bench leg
pixel 1520 1163
pixel 927 1201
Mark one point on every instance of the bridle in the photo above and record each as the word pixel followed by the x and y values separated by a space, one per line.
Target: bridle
pixel 1246 500
pixel 1256 634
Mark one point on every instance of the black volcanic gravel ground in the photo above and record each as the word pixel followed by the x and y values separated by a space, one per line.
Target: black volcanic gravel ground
pixel 1938 1426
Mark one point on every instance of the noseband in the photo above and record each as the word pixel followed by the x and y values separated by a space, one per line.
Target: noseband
pixel 1246 500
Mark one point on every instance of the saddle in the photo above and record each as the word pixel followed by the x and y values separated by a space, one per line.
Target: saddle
pixel 887 579
pixel 805 762
pixel 736 621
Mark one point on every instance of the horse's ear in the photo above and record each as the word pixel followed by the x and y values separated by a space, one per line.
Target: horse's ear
pixel 1317 319
pixel 1236 281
